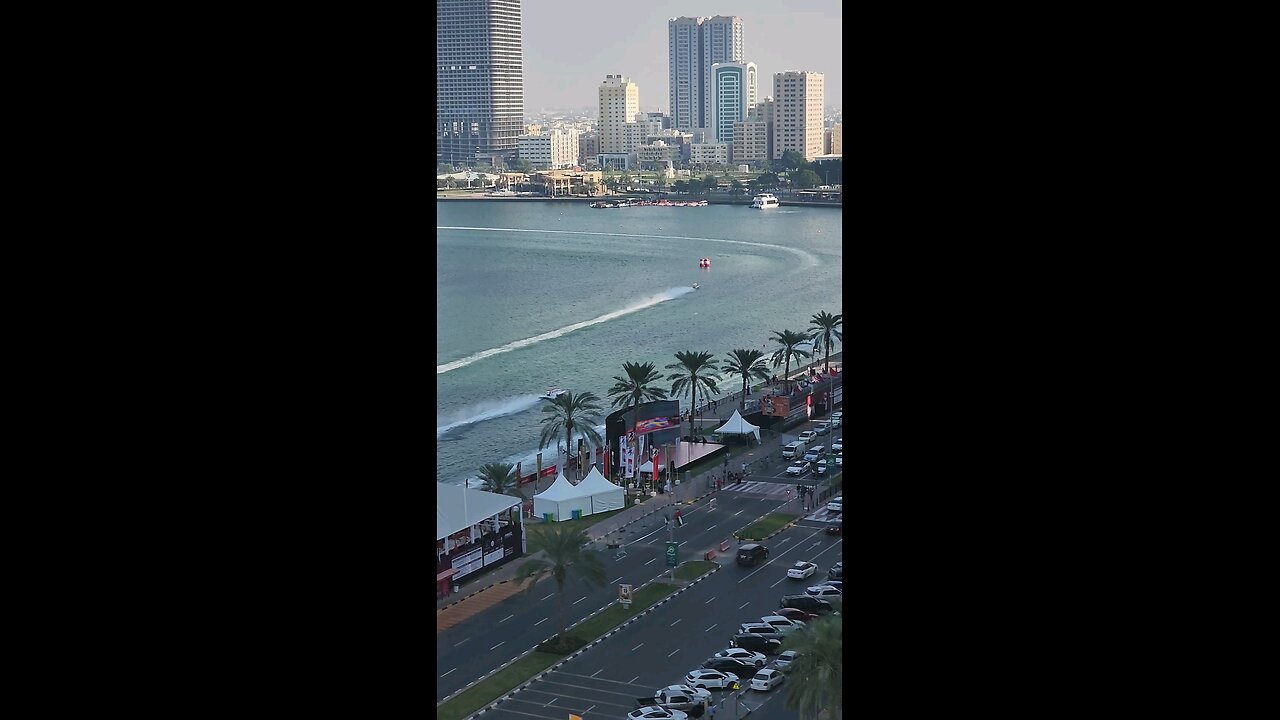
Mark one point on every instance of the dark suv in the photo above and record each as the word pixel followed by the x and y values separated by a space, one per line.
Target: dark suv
pixel 756 643
pixel 741 668
pixel 751 554
pixel 836 572
pixel 807 603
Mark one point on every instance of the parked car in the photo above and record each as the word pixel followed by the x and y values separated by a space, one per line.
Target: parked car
pixel 836 504
pixel 808 603
pixel 839 459
pixel 796 614
pixel 822 428
pixel 785 659
pixel 786 626
pixel 821 467
pixel 823 591
pixel 761 629
pixel 703 678
pixel 756 643
pixel 743 654
pixel 742 668
pixel 837 584
pixel 802 569
pixel 837 418
pixel 767 679
pixel 815 452
pixel 837 444
pixel 807 436
pixel 653 712
pixel 799 467
pixel 837 571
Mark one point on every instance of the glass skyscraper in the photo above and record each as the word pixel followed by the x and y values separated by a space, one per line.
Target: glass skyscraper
pixel 694 44
pixel 479 79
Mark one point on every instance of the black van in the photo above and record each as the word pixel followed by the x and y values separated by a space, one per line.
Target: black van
pixel 756 643
pixel 751 554
pixel 807 603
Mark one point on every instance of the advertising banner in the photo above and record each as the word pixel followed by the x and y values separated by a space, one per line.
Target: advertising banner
pixel 548 472
pixel 776 406
pixel 645 427
pixel 469 562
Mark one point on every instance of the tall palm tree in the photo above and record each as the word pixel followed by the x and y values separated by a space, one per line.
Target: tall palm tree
pixel 823 327
pixel 695 369
pixel 638 386
pixel 571 412
pixel 815 674
pixel 565 546
pixel 749 364
pixel 789 341
pixel 498 478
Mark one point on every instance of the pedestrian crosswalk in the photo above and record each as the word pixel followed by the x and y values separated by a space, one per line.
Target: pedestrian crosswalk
pixel 756 488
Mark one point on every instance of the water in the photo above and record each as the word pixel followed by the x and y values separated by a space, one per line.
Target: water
pixel 532 295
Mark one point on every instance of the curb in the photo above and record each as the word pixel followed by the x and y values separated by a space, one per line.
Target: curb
pixel 653 512
pixel 468 597
pixel 493 705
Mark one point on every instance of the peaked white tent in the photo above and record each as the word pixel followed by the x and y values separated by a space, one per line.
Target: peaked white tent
pixel 458 508
pixel 735 425
pixel 604 495
pixel 561 499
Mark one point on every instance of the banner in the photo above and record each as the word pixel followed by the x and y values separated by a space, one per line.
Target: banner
pixel 643 427
pixel 539 464
pixel 548 472
pixel 582 456
pixel 776 406
pixel 629 455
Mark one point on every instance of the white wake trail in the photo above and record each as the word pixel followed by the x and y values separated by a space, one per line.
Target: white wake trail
pixel 671 294
pixel 485 411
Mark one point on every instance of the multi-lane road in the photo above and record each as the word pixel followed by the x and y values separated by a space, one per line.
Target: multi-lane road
pixel 469 650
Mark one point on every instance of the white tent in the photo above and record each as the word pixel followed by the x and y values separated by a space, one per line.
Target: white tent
pixel 458 508
pixel 735 425
pixel 561 499
pixel 604 495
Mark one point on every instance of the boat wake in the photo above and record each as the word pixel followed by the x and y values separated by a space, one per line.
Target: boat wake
pixel 649 302
pixel 485 411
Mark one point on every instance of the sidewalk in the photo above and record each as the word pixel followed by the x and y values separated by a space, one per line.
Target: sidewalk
pixel 693 487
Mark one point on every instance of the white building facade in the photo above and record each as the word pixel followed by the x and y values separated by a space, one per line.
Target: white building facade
pixel 709 154
pixel 797 113
pixel 550 150
pixel 619 105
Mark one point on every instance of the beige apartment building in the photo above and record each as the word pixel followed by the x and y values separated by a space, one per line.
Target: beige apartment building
pixel 750 141
pixel 837 142
pixel 554 149
pixel 797 122
pixel 619 105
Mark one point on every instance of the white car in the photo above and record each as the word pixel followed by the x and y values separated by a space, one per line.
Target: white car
pixel 709 679
pixel 822 467
pixel 799 467
pixel 766 679
pixel 823 591
pixel 839 460
pixel 802 569
pixel 837 418
pixel 785 625
pixel 653 712
pixel 785 659
pixel 807 436
pixel 837 444
pixel 743 654
pixel 836 504
pixel 699 693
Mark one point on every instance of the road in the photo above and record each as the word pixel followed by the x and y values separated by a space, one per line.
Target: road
pixel 469 650
pixel 676 637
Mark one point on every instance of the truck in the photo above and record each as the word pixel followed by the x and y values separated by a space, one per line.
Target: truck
pixel 673 699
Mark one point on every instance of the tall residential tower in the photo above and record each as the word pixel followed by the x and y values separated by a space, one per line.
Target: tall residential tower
pixel 479 79
pixel 619 105
pixel 797 122
pixel 694 44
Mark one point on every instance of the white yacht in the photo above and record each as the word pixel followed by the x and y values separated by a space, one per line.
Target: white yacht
pixel 764 200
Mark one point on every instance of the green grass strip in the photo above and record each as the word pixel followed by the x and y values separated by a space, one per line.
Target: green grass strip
pixel 536 529
pixel 693 569
pixel 641 600
pixel 496 685
pixel 771 523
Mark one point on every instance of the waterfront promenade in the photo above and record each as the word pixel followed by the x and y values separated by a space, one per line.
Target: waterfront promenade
pixel 484 590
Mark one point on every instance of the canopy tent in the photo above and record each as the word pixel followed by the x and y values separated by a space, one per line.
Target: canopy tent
pixel 458 508
pixel 735 425
pixel 604 495
pixel 561 499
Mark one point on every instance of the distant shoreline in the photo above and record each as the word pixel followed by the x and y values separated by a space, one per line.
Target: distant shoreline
pixel 600 198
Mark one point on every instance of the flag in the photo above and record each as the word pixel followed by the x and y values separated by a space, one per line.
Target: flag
pixel 539 464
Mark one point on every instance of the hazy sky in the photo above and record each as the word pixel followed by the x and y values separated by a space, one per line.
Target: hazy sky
pixel 570 47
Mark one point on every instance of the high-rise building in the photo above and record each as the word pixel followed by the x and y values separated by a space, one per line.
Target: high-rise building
pixel 837 139
pixel 479 79
pixel 750 141
pixel 733 96
pixel 619 104
pixel 554 149
pixel 694 44
pixel 797 123
pixel 588 148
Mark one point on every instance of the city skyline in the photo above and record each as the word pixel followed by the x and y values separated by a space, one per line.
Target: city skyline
pixel 563 72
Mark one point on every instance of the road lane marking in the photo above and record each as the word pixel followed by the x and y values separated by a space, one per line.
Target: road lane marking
pixel 708 601
pixel 779 580
pixel 616 579
pixel 673 652
pixel 737 513
pixel 713 626
pixel 785 541
pixel 784 552
pixel 540 621
pixel 449 671
pixel 597 672
pixel 674 623
pixel 584 712
pixel 712 527
pixel 495 647
pixel 552 700
pixel 815 544
pixel 459 643
pixel 575 602
pixel 637 648
pixel 650 561
pixel 635 678
pixel 548 596
pixel 744 604
pixel 506 618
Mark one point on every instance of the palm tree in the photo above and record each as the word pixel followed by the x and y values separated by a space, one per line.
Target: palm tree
pixel 695 369
pixel 815 674
pixel 565 546
pixel 823 327
pixel 749 364
pixel 572 412
pixel 498 478
pixel 789 341
pixel 637 386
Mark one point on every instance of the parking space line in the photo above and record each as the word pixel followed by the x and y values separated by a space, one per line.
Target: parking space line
pixel 635 678
pixel 651 561
pixel 673 652
pixel 448 672
pixel 459 643
pixel 584 597
pixel 637 648
pixel 708 601
pixel 597 672
pixel 540 622
pixel 744 604
pixel 548 597
pixel 616 579
pixel 495 647
pixel 677 620
pixel 713 626
pixel 506 618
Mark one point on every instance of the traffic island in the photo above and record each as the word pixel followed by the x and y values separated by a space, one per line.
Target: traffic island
pixel 768 525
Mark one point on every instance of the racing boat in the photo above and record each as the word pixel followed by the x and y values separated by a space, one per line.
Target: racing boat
pixel 553 393
pixel 695 286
